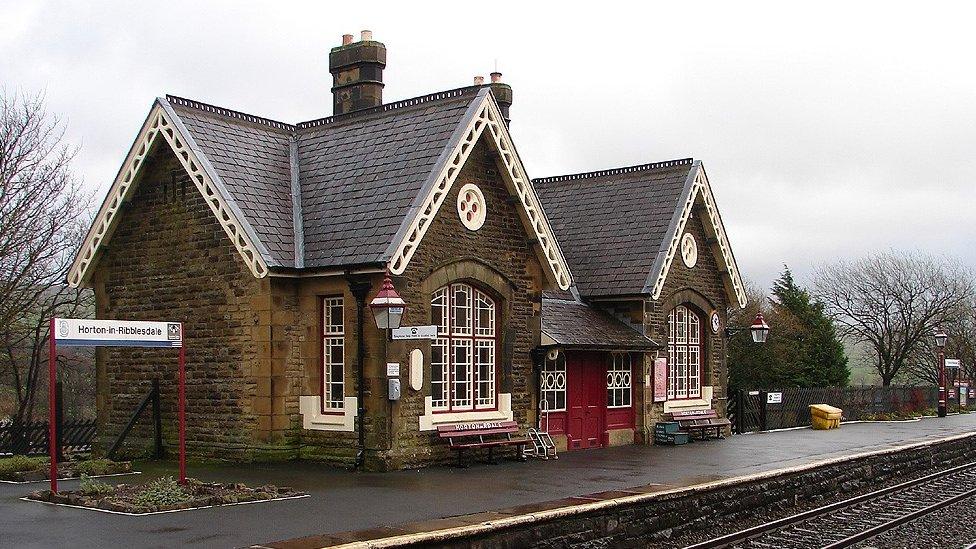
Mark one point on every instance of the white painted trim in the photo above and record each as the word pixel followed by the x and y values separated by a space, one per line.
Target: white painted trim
pixel 159 123
pixel 69 478
pixel 702 190
pixel 162 512
pixel 314 420
pixel 533 218
pixel 684 405
pixel 430 420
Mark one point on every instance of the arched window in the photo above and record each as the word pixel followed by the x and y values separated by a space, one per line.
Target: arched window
pixel 463 358
pixel 684 353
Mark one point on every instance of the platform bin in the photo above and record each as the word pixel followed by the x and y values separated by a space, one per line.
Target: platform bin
pixel 825 416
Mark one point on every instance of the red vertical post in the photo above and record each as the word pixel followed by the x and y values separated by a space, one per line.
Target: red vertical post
pixel 52 431
pixel 942 385
pixel 182 409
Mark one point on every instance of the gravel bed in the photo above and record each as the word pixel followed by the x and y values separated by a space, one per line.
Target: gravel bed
pixel 951 526
pixel 671 539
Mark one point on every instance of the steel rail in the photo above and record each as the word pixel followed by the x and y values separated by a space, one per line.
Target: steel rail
pixel 755 531
pixel 881 528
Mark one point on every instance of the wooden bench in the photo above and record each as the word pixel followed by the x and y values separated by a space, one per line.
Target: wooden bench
pixel 482 434
pixel 703 422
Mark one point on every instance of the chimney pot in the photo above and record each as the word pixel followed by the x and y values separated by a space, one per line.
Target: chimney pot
pixel 366 35
pixel 496 77
pixel 357 74
pixel 479 80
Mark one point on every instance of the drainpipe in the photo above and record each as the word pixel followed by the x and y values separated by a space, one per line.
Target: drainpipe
pixel 360 291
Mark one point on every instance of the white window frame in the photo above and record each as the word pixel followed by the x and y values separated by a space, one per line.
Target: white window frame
pixel 552 383
pixel 464 356
pixel 685 354
pixel 333 344
pixel 620 377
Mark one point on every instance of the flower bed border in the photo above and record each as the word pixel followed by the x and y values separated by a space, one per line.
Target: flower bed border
pixel 125 513
pixel 69 478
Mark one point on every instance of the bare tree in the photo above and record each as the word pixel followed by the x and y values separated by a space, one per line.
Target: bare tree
pixel 42 215
pixel 893 302
pixel 923 365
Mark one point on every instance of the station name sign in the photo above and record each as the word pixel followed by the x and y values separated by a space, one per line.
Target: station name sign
pixel 79 332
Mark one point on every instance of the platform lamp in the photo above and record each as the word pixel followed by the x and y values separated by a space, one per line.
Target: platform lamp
pixel 940 343
pixel 759 329
pixel 387 306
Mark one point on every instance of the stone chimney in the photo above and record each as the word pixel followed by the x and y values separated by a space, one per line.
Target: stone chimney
pixel 503 95
pixel 357 73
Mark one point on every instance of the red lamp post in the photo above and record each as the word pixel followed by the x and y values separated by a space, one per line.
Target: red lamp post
pixel 940 342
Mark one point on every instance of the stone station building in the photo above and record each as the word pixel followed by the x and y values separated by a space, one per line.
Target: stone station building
pixel 590 304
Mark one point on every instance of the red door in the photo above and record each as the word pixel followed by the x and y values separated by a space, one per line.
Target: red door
pixel 586 395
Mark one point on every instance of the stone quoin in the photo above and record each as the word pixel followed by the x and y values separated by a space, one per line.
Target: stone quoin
pixel 551 299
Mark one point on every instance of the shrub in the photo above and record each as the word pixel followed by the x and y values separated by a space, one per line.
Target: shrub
pixel 92 487
pixel 93 467
pixel 161 492
pixel 21 464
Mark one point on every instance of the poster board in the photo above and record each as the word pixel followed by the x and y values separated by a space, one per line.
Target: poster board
pixel 660 379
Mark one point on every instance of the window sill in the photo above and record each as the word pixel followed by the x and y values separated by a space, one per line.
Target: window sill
pixel 690 403
pixel 335 420
pixel 430 420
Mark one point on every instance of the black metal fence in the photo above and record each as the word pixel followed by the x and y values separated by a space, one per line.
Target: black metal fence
pixel 781 408
pixel 31 438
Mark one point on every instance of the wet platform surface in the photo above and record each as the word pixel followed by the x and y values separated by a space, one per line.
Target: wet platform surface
pixel 388 502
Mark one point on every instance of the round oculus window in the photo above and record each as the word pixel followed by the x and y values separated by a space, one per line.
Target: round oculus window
pixel 471 207
pixel 689 250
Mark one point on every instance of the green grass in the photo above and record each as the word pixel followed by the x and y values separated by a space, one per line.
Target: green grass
pixel 93 467
pixel 21 464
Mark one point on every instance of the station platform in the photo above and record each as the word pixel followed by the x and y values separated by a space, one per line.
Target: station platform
pixel 347 506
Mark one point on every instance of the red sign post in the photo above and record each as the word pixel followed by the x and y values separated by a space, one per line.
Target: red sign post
pixel 77 332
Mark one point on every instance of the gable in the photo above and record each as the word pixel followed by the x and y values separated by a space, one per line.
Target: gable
pixel 483 118
pixel 163 123
pixel 620 228
pixel 698 193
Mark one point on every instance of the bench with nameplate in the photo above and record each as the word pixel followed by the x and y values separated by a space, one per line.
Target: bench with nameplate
pixel 701 422
pixel 482 434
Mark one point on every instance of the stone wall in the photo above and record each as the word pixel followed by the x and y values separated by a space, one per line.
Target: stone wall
pixel 704 288
pixel 634 521
pixel 498 259
pixel 169 259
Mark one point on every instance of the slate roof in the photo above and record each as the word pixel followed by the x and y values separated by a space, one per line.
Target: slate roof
pixel 613 224
pixel 574 324
pixel 252 160
pixel 358 173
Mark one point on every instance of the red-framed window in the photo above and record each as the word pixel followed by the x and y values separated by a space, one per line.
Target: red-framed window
pixel 552 382
pixel 463 358
pixel 619 381
pixel 333 354
pixel 684 353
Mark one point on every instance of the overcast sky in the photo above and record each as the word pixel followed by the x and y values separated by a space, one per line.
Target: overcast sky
pixel 827 132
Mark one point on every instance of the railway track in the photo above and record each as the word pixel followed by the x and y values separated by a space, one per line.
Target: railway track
pixel 851 521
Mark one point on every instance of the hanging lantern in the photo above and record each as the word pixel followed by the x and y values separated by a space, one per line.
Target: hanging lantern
pixel 759 329
pixel 387 306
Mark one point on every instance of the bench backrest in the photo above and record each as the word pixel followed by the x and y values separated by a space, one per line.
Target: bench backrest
pixel 477 428
pixel 693 414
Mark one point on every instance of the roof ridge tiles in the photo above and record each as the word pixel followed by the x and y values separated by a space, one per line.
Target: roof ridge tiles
pixel 446 94
pixel 206 107
pixel 615 171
